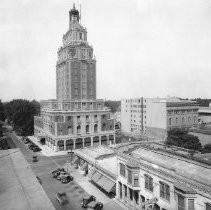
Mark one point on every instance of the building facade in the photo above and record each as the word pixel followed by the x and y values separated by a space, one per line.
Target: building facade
pixel 154 116
pixel 76 119
pixel 142 183
pixel 205 114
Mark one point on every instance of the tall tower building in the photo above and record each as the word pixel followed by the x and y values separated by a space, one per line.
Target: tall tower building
pixel 76 119
pixel 76 67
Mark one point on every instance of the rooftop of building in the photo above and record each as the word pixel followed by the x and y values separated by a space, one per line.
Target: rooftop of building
pixel 101 156
pixel 179 165
pixel 19 188
pixel 168 100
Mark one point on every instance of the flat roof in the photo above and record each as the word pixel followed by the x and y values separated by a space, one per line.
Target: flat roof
pixel 19 188
pixel 197 172
pixel 102 156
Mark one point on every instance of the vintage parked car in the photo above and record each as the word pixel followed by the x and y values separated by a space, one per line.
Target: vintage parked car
pixel 56 172
pixel 62 197
pixel 34 159
pixel 95 205
pixel 66 178
pixel 62 173
pixel 36 149
pixel 31 146
pixel 86 200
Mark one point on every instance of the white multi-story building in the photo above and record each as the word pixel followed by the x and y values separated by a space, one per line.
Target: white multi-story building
pixel 155 116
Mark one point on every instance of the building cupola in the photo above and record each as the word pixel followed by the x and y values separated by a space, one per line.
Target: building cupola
pixel 74 14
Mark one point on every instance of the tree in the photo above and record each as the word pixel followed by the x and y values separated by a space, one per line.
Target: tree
pixel 20 113
pixel 113 105
pixel 207 148
pixel 2 114
pixel 181 138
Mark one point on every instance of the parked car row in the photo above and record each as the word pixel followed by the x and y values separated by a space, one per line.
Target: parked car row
pixel 31 145
pixel 61 175
pixel 88 201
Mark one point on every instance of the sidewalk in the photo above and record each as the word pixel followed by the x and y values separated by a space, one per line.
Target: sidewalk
pixel 90 188
pixel 45 149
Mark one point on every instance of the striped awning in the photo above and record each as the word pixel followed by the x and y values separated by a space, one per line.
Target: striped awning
pixel 91 172
pixel 109 186
pixel 102 181
pixel 84 167
pixel 75 160
pixel 96 176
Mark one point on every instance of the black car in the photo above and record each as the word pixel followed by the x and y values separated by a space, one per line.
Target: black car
pixel 36 149
pixel 95 205
pixel 86 200
pixel 56 172
pixel 62 198
pixel 31 146
pixel 66 178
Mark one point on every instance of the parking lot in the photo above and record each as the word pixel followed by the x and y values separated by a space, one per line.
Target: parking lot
pixel 75 190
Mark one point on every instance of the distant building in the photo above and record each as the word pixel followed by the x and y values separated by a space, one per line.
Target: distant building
pixel 76 119
pixel 205 114
pixel 155 116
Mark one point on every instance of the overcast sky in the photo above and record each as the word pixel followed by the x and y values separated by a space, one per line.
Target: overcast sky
pixel 143 47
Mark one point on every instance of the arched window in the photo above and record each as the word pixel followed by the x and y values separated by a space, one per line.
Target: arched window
pixel 194 119
pixel 95 128
pixel 169 121
pixel 176 120
pixel 103 127
pixel 87 128
pixel 183 120
pixel 69 130
pixel 78 129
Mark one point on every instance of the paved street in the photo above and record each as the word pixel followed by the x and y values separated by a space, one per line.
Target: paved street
pixel 75 191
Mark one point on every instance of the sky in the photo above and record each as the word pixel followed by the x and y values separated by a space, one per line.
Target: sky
pixel 144 48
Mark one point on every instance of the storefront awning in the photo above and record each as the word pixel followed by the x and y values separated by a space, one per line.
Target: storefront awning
pixel 91 173
pixel 84 167
pixel 96 176
pixel 75 160
pixel 104 182
pixel 109 186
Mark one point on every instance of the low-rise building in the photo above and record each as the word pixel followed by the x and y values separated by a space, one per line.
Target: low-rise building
pixel 155 116
pixel 149 179
pixel 205 114
pixel 143 177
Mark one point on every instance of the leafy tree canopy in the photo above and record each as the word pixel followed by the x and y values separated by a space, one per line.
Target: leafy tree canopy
pixel 20 113
pixel 2 115
pixel 181 138
pixel 113 105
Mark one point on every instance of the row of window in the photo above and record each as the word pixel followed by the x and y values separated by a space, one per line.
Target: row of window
pixel 133 179
pixel 183 120
pixel 182 111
